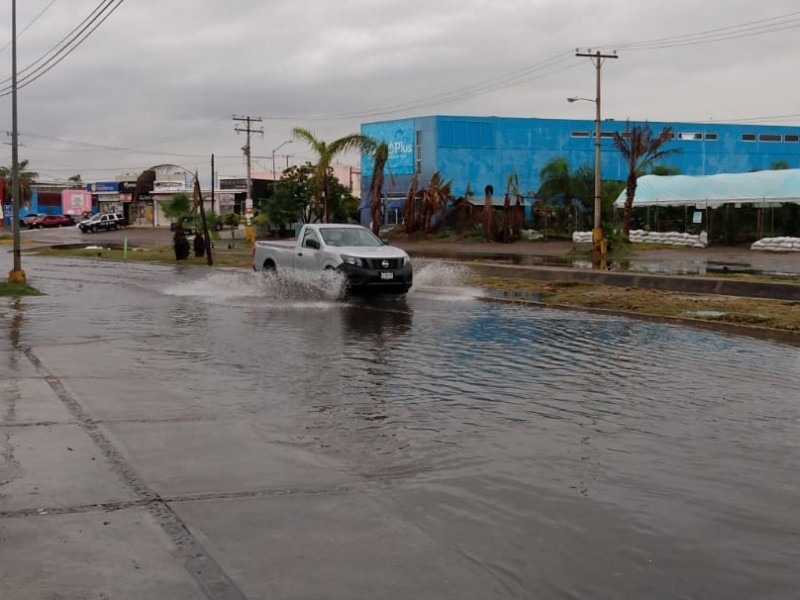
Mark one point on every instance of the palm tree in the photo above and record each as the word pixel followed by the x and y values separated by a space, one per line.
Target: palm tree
pixel 639 147
pixel 376 185
pixel 26 181
pixel 326 152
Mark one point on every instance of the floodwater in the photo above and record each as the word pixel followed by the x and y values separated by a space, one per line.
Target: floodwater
pixel 661 266
pixel 556 454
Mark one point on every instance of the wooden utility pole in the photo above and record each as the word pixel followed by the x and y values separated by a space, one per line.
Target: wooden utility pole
pixel 598 243
pixel 247 151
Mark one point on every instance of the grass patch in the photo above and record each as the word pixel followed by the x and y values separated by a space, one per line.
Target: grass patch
pixel 775 314
pixel 223 256
pixel 15 290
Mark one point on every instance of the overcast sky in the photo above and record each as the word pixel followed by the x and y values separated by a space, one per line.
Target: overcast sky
pixel 159 81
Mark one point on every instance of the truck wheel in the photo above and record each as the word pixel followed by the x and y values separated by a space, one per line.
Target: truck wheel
pixel 93 229
pixel 268 266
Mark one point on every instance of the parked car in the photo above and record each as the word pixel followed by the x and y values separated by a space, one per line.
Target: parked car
pixel 28 219
pixel 102 222
pixel 49 221
pixel 190 226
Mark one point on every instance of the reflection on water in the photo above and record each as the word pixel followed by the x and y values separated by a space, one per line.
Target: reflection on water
pixel 661 266
pixel 564 454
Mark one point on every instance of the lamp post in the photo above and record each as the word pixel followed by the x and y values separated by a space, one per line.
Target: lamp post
pixel 17 275
pixel 597 231
pixel 598 243
pixel 273 158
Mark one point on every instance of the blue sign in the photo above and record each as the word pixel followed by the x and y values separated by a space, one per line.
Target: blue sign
pixel 103 186
pixel 399 136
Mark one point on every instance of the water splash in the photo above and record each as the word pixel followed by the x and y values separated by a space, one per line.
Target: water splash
pixel 444 281
pixel 290 285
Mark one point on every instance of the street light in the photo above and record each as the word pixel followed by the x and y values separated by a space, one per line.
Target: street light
pixel 273 158
pixel 598 245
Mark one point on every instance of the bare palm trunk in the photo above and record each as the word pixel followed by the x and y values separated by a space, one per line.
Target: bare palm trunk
pixel 627 213
pixel 487 216
pixel 326 190
pixel 410 209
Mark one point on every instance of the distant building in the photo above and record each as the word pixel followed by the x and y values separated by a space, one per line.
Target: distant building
pixel 480 151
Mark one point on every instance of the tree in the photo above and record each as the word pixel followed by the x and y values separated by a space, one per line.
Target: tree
pixel 376 185
pixel 326 152
pixel 178 208
pixel 144 185
pixel 26 181
pixel 76 181
pixel 558 184
pixel 639 148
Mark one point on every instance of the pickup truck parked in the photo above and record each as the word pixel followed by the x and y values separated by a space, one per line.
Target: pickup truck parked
pixel 368 264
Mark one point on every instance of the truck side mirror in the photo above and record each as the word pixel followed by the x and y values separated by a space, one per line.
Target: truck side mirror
pixel 385 241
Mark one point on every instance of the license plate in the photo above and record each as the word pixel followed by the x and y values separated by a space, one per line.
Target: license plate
pixel 387 275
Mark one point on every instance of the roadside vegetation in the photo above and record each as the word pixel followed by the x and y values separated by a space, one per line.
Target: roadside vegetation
pixel 225 257
pixel 755 312
pixel 14 290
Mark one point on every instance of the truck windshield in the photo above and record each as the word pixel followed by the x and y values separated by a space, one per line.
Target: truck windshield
pixel 349 236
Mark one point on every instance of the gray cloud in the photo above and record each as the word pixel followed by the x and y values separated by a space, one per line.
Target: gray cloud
pixel 161 80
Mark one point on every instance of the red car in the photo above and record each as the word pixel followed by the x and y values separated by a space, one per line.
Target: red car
pixel 50 221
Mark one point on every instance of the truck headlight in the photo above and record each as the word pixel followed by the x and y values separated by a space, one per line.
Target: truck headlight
pixel 353 260
pixel 406 261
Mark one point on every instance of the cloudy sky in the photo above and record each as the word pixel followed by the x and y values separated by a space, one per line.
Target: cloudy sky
pixel 159 81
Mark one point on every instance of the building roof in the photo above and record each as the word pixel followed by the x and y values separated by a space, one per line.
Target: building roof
pixel 716 190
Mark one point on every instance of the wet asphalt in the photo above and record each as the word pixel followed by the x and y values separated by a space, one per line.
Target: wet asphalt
pixel 170 433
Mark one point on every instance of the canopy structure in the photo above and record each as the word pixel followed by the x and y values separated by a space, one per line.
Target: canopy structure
pixel 711 191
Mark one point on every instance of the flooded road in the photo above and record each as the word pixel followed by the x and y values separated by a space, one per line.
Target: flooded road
pixel 513 452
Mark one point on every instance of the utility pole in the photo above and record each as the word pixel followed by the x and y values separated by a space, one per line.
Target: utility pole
pixel 213 176
pixel 17 275
pixel 599 245
pixel 247 153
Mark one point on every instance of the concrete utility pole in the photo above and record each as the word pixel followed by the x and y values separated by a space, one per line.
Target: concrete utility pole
pixel 213 176
pixel 248 130
pixel 598 243
pixel 17 275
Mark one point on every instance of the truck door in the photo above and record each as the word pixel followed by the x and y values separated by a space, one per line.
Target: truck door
pixel 308 255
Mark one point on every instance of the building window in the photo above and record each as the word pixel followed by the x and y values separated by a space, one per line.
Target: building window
pixel 580 134
pixel 690 136
pixel 711 137
pixel 748 137
pixel 627 135
pixel 419 151
pixel 791 137
pixel 607 134
pixel 769 137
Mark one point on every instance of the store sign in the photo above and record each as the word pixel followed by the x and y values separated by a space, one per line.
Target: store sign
pixel 76 202
pixel 226 199
pixel 399 137
pixel 103 186
pixel 233 184
pixel 169 186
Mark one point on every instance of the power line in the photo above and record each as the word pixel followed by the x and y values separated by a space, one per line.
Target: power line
pixel 28 26
pixel 748 29
pixel 64 48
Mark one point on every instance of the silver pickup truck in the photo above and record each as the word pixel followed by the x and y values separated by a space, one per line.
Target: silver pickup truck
pixel 368 264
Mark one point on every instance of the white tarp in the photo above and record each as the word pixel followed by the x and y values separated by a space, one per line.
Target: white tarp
pixel 711 191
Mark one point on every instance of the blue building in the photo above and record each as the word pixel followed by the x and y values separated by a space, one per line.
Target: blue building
pixel 482 151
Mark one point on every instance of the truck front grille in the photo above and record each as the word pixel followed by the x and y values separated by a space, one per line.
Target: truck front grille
pixel 382 264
